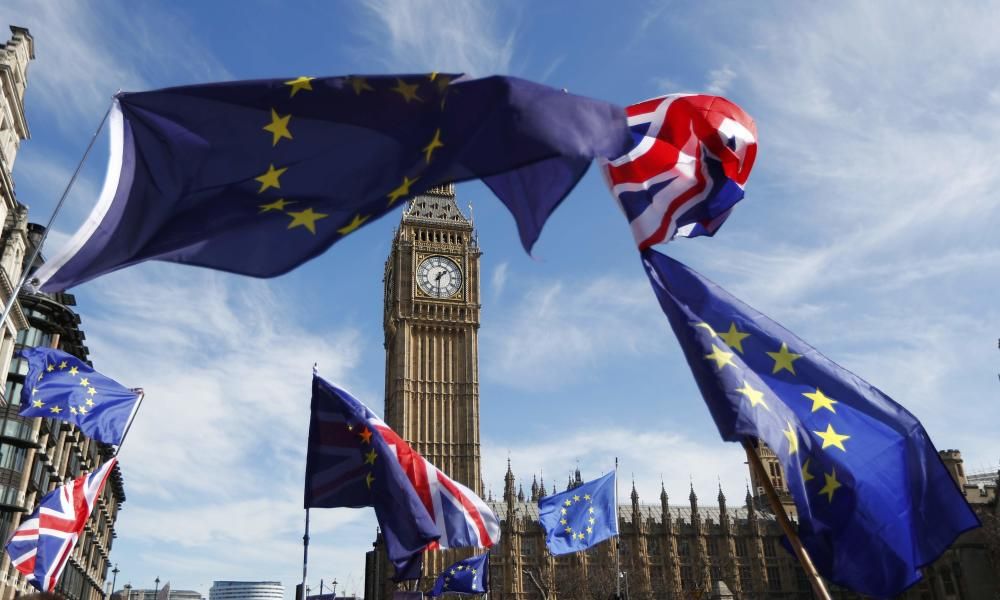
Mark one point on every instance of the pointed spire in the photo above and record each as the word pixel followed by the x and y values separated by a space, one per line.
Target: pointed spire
pixel 541 486
pixel 693 498
pixel 635 495
pixel 664 499
pixel 579 480
pixel 554 490
pixel 520 493
pixel 534 488
pixel 569 483
pixel 749 500
pixel 508 484
pixel 722 498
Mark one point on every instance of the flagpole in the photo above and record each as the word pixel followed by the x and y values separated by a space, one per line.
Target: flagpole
pixel 819 588
pixel 131 418
pixel 38 247
pixel 618 551
pixel 305 555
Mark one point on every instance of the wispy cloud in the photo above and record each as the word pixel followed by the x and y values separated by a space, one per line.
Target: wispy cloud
pixel 499 279
pixel 719 80
pixel 434 35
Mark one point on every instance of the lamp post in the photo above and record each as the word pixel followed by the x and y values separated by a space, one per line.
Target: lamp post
pixel 156 590
pixel 114 577
pixel 334 589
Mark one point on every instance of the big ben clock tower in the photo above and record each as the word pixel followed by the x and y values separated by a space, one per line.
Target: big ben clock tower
pixel 431 326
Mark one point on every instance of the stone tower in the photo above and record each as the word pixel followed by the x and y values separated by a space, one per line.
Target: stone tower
pixel 431 327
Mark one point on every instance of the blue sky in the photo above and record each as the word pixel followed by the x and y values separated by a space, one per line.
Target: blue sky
pixel 870 229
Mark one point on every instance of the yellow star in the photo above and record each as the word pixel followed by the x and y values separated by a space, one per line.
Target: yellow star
pixel 55 409
pixel 270 179
pixel 34 391
pixel 590 530
pixel 73 371
pixel 369 478
pixel 278 127
pixel 806 475
pixel 434 145
pixel 300 83
pixel 783 359
pixel 91 390
pixel 473 571
pixel 50 368
pixel 832 438
pixel 62 365
pixel 755 396
pixel 460 567
pixel 90 402
pixel 579 536
pixel 305 218
pixel 734 338
pixel 360 84
pixel 592 520
pixel 591 509
pixel 562 521
pixel 576 498
pixel 38 403
pixel 443 81
pixel 72 410
pixel 586 497
pixel 370 457
pixel 721 357
pixel 82 410
pixel 707 328
pixel 85 382
pixel 356 222
pixel 278 204
pixel 793 439
pixel 562 511
pixel 567 503
pixel 820 400
pixel 831 485
pixel 407 91
pixel 569 530
pixel 403 190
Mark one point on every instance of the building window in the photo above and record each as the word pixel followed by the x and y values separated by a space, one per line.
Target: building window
pixel 12 457
pixel 654 546
pixel 716 573
pixel 774 579
pixel 12 392
pixel 741 547
pixel 746 578
pixel 528 546
pixel 684 548
pixel 713 546
pixel 686 578
pixel 769 547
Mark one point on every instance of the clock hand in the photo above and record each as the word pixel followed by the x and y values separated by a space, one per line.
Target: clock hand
pixel 439 276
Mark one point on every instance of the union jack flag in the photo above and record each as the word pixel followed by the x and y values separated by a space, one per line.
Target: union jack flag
pixel 355 459
pixel 691 159
pixel 42 544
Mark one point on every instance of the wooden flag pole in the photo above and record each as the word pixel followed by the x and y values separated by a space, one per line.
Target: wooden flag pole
pixel 819 588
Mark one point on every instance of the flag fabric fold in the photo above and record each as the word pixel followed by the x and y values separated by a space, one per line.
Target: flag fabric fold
pixel 61 386
pixel 257 177
pixel 355 460
pixel 691 158
pixel 874 500
pixel 579 518
pixel 469 576
pixel 41 546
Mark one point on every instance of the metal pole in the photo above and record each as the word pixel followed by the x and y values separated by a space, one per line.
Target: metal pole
pixel 786 525
pixel 128 426
pixel 305 556
pixel 114 579
pixel 38 247
pixel 618 566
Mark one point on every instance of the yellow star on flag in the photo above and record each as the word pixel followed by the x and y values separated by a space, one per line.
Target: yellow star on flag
pixel 721 357
pixel 734 338
pixel 34 391
pixel 85 382
pixel 562 521
pixel 591 509
pixel 434 145
pixel 754 396
pixel 73 371
pixel 579 536
pixel 300 83
pixel 370 457
pixel 403 190
pixel 783 359
pixel 278 127
pixel 278 204
pixel 356 222
pixel 82 410
pixel 832 438
pixel 793 439
pixel 831 485
pixel 305 218
pixel 806 475
pixel 567 502
pixel 820 400
pixel 270 179
pixel 38 403
pixel 590 530
pixel 576 498
pixel 443 81
pixel 360 84
pixel 569 530
pixel 586 497
pixel 591 520
pixel 369 478
pixel 72 410
pixel 62 365
pixel 90 402
pixel 55 409
pixel 407 90
pixel 91 390
pixel 562 511
pixel 50 368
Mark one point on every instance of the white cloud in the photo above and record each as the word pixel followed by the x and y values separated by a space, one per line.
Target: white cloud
pixel 435 35
pixel 499 279
pixel 719 80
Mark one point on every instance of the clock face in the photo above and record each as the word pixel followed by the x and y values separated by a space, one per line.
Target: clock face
pixel 439 277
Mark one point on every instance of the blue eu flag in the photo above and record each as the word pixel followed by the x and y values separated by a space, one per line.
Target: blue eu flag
pixel 61 386
pixel 874 500
pixel 467 576
pixel 581 517
pixel 257 177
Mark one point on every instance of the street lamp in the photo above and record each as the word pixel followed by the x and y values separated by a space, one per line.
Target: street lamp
pixel 334 589
pixel 156 590
pixel 114 579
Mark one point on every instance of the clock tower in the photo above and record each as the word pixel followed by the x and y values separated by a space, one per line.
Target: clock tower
pixel 431 324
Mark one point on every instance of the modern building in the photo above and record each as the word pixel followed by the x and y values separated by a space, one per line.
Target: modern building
pixel 246 590
pixel 431 323
pixel 129 593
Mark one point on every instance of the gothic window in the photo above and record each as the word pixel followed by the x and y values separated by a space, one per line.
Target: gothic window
pixel 774 579
pixel 684 548
pixel 716 573
pixel 713 546
pixel 746 579
pixel 654 546
pixel 769 547
pixel 741 547
pixel 686 578
pixel 528 546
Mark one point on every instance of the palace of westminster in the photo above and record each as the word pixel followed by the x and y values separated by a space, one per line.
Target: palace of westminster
pixel 431 324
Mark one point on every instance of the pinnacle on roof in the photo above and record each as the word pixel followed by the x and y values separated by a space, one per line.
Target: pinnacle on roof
pixel 436 204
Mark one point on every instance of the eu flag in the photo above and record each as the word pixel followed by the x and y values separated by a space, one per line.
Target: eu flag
pixel 257 177
pixel 467 576
pixel 581 517
pixel 61 386
pixel 349 464
pixel 874 500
